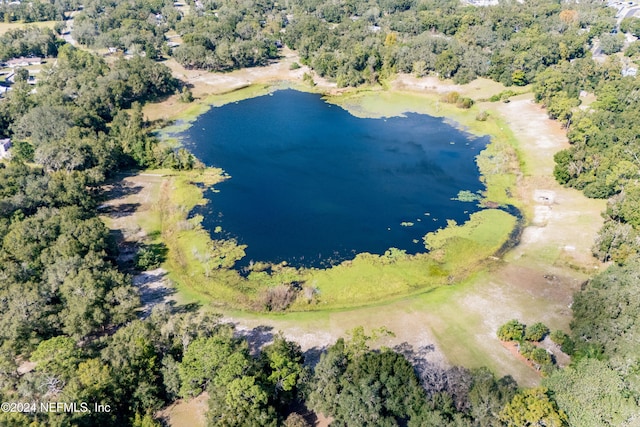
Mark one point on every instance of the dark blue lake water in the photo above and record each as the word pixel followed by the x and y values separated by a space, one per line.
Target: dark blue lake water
pixel 313 185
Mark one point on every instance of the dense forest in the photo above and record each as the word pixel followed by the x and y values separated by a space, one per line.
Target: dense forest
pixel 356 42
pixel 70 330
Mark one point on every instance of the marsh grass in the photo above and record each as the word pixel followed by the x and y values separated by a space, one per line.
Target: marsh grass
pixel 195 266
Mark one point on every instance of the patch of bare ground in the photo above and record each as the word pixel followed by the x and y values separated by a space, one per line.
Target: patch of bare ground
pixel 130 202
pixel 477 89
pixel 186 413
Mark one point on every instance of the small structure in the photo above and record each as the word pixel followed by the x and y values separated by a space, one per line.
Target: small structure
pixel 5 144
pixel 629 72
pixel 23 62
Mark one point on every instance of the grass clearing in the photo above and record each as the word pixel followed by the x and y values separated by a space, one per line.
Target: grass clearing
pixel 7 26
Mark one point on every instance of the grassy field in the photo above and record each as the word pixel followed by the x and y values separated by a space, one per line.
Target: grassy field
pixel 6 26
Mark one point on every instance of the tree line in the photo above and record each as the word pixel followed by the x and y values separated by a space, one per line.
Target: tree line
pixel 355 43
pixel 600 388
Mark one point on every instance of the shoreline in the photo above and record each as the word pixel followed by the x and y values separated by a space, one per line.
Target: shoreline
pixel 556 238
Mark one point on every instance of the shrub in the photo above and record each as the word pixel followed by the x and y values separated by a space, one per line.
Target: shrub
pixel 511 331
pixel 536 332
pixel 294 66
pixel 465 103
pixel 482 116
pixel 450 97
pixel 568 346
pixel 147 259
pixel 186 96
pixel 526 349
pixel 277 298
pixel 558 337
pixel 308 78
pixel 547 369
pixel 502 96
pixel 540 356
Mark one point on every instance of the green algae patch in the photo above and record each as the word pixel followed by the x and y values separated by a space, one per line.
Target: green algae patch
pixel 455 252
pixel 192 255
pixel 483 235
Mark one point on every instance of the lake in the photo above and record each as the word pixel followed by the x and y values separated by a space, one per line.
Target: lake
pixel 313 185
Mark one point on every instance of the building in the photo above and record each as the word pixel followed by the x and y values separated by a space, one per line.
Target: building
pixel 23 62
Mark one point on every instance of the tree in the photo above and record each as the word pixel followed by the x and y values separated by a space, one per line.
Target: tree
pixel 533 407
pixel 519 78
pixel 630 25
pixel 186 95
pixel 366 389
pixel 242 402
pixel 58 355
pixel 447 63
pixel 606 313
pixel 44 124
pixel 134 363
pixel 487 396
pixel 282 363
pixel 536 332
pixel 540 356
pixel 611 43
pixel 208 360
pixel 592 394
pixel 511 331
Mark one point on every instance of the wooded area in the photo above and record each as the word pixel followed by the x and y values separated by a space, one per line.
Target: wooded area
pixel 66 306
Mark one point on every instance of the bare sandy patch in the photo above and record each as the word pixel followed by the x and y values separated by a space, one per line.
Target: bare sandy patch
pixel 131 202
pixel 186 413
pixel 478 89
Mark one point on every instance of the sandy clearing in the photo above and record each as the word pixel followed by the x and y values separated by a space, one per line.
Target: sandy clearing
pixel 130 200
pixel 186 413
